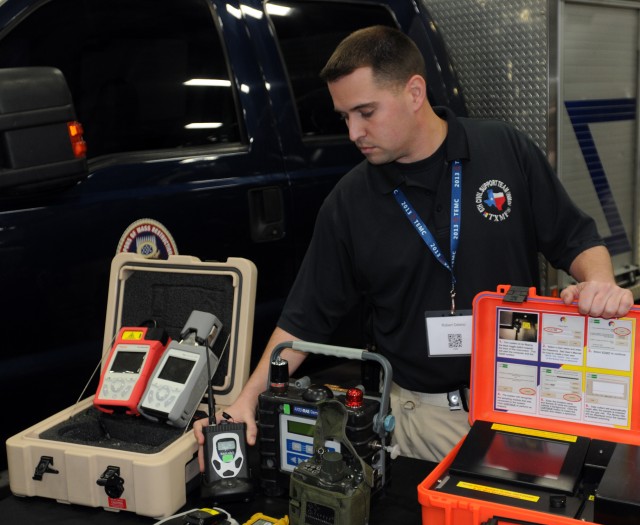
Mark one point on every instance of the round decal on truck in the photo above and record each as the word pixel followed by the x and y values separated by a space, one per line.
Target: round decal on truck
pixel 149 238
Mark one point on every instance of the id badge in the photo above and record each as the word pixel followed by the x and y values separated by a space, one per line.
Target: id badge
pixel 448 335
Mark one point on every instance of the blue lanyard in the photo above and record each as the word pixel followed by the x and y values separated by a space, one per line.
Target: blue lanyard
pixel 456 220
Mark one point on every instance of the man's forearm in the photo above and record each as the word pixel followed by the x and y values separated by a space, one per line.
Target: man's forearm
pixel 593 264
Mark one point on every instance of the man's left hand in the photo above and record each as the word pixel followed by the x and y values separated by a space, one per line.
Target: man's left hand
pixel 598 299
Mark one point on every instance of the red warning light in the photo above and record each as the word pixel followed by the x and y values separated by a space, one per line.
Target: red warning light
pixel 354 398
pixel 78 144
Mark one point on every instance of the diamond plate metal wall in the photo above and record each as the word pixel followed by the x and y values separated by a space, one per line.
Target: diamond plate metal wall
pixel 501 52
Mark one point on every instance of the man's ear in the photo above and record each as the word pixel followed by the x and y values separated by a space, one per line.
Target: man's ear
pixel 417 89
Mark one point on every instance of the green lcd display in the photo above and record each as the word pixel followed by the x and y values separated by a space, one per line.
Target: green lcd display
pixel 302 429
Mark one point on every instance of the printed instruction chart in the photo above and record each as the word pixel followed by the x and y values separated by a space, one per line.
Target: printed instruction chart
pixel 566 367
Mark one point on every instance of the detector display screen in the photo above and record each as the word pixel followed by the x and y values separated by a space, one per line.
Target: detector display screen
pixel 124 362
pixel 176 369
pixel 546 460
pixel 526 455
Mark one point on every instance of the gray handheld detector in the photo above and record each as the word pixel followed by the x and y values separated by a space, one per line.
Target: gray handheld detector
pixel 180 379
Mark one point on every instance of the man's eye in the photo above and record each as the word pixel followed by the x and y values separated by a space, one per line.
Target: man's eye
pixel 366 114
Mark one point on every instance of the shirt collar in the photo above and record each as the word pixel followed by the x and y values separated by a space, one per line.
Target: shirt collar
pixel 386 177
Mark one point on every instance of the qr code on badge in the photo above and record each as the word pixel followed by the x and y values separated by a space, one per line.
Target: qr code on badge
pixel 455 341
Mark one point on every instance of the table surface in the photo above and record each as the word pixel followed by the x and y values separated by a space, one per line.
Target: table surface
pixel 398 503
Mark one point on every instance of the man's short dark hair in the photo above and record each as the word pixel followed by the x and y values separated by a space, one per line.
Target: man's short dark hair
pixel 392 55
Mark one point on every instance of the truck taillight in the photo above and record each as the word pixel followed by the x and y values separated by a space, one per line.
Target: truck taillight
pixel 78 144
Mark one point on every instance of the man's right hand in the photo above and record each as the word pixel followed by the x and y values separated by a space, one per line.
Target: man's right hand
pixel 239 413
pixel 243 410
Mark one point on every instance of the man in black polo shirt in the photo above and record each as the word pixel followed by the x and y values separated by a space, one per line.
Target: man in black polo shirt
pixel 482 203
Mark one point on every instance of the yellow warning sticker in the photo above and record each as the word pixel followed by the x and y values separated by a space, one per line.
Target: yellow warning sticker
pixel 534 432
pixel 129 335
pixel 498 492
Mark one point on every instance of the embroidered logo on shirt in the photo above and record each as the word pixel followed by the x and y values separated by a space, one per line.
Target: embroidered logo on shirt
pixel 493 200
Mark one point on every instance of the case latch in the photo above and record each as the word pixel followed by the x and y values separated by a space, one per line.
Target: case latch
pixel 44 467
pixel 112 482
pixel 516 294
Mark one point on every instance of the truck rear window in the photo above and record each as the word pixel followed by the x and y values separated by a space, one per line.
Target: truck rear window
pixel 143 75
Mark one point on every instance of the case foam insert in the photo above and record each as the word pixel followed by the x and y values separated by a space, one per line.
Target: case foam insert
pixel 168 299
pixel 118 431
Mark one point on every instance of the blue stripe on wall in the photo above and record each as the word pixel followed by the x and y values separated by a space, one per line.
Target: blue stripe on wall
pixel 582 113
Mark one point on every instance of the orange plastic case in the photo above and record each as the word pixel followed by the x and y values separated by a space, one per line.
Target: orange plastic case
pixel 596 354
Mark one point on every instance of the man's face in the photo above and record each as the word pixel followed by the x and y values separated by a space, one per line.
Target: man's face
pixel 380 119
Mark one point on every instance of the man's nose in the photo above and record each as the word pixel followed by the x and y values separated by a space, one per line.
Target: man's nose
pixel 355 131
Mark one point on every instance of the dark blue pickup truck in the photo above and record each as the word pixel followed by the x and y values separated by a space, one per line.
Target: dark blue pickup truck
pixel 204 115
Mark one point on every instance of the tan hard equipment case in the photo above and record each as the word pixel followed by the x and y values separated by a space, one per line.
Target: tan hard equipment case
pixel 156 472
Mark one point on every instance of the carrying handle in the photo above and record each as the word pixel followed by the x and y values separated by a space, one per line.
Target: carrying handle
pixel 349 353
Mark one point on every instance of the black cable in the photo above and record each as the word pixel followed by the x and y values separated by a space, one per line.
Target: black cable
pixel 210 401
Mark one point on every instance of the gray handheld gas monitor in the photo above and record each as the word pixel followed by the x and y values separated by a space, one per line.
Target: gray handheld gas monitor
pixel 180 379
